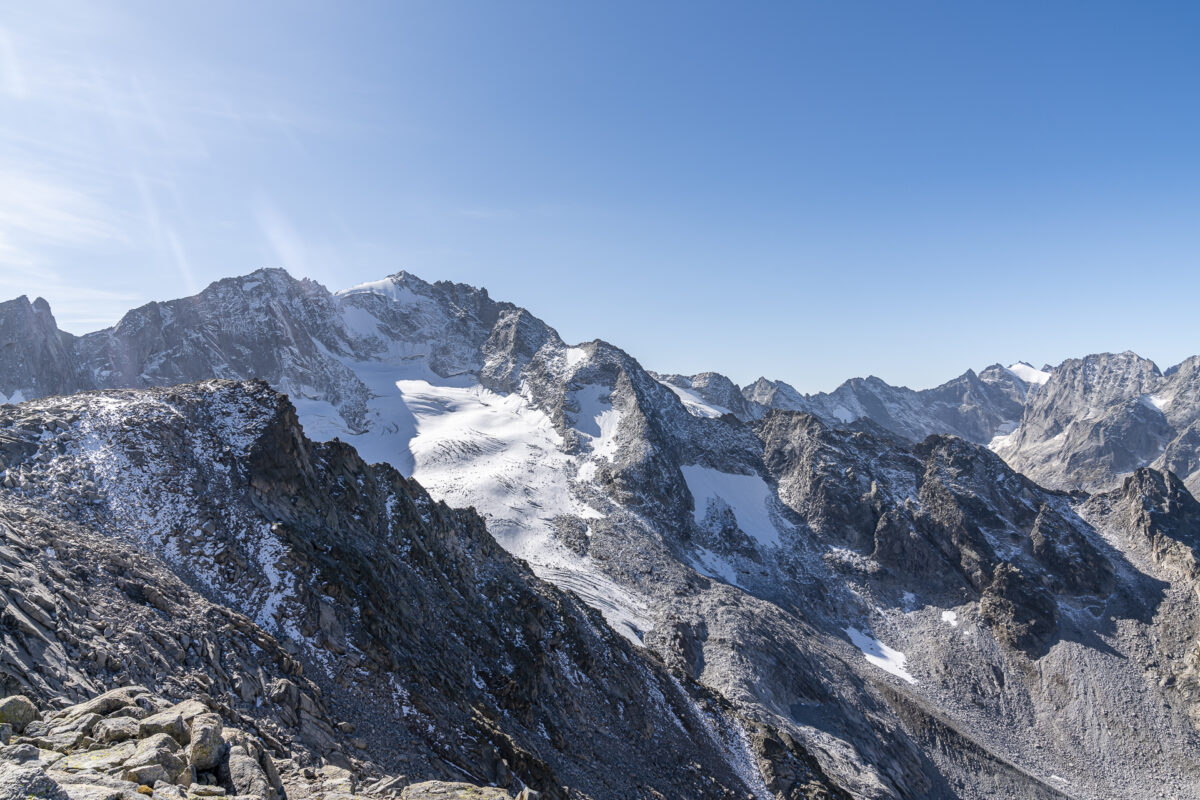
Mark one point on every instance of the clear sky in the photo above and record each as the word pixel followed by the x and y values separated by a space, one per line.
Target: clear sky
pixel 805 190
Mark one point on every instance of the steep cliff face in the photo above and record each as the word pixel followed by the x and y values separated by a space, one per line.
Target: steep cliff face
pixel 1101 417
pixel 36 358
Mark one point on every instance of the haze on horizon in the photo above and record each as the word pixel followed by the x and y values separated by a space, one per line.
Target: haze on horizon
pixel 809 192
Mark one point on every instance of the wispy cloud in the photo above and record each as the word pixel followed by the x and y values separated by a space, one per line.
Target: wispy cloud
pixel 102 142
pixel 289 248
pixel 12 76
pixel 182 263
pixel 37 212
pixel 122 142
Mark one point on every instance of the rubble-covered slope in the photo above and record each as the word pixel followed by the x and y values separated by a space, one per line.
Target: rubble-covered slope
pixel 193 540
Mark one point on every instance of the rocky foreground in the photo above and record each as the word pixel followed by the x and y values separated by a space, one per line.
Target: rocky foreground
pixel 129 743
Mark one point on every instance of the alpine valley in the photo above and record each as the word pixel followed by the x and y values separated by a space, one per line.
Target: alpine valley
pixel 402 540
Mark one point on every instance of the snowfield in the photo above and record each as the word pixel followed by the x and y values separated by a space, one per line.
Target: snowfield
pixel 1028 373
pixel 747 496
pixel 879 654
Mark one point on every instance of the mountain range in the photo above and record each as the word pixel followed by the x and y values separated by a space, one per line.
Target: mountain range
pixel 656 586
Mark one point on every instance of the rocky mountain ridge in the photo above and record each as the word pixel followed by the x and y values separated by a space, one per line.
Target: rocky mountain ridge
pixel 1085 424
pixel 973 406
pixel 901 618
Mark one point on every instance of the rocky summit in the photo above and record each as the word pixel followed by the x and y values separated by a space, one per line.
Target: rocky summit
pixel 404 540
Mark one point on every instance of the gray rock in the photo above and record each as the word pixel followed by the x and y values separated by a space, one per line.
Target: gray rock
pixel 158 749
pixel 169 722
pixel 440 790
pixel 1101 417
pixel 1056 598
pixel 245 774
pixel 27 781
pixel 147 774
pixel 18 711
pixel 108 702
pixel 206 746
pixel 18 753
pixel 103 759
pixel 115 729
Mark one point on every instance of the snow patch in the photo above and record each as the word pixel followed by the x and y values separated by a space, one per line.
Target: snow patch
pixel 747 496
pixel 386 287
pixel 470 446
pixel 1028 373
pixel 359 322
pixel 575 355
pixel 695 404
pixel 624 612
pixel 597 419
pixel 879 654
pixel 715 566
pixel 1001 441
pixel 951 618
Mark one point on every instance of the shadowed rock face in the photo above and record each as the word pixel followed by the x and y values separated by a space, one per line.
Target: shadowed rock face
pixel 35 356
pixel 1160 514
pixel 941 512
pixel 1022 614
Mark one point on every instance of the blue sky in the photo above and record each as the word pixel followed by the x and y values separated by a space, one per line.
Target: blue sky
pixel 808 190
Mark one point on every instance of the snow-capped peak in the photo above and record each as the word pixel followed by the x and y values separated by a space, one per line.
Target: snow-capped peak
pixel 1028 373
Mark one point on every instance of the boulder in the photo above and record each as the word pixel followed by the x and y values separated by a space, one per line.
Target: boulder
pixel 108 702
pixel 103 759
pixel 26 781
pixel 115 729
pixel 18 753
pixel 189 709
pixel 159 749
pixel 147 774
pixel 61 741
pixel 245 774
pixel 131 712
pixel 207 746
pixel 159 741
pixel 94 787
pixel 169 722
pixel 83 723
pixel 441 790
pixel 29 752
pixel 18 711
